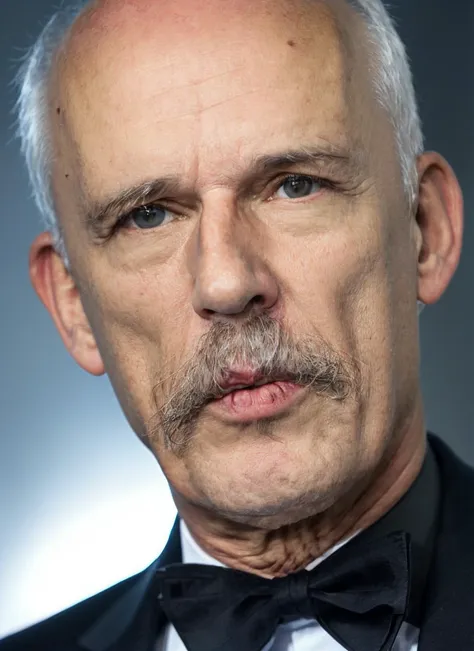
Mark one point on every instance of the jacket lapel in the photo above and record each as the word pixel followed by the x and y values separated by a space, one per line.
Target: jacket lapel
pixel 134 620
pixel 448 621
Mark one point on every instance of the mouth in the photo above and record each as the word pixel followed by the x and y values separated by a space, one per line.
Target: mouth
pixel 247 397
pixel 231 388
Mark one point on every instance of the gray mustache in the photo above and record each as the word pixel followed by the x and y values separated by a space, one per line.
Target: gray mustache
pixel 262 345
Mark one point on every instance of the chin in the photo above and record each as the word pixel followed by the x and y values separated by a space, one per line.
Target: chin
pixel 270 473
pixel 267 483
pixel 270 516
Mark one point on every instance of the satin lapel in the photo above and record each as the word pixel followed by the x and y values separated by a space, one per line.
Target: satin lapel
pixel 134 620
pixel 448 621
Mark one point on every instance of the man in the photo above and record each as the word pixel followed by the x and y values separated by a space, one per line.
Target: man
pixel 242 222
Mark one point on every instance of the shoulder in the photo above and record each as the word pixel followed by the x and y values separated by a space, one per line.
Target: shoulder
pixel 457 477
pixel 60 632
pixel 456 512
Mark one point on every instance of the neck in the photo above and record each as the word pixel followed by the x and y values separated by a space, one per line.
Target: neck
pixel 293 547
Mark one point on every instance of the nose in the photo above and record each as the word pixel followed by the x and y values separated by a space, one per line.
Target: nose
pixel 228 266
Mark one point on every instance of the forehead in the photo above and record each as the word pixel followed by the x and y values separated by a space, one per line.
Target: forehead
pixel 168 87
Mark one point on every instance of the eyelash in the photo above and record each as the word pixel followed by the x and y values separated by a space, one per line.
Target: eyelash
pixel 276 184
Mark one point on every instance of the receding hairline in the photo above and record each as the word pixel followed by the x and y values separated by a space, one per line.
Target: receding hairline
pixel 89 18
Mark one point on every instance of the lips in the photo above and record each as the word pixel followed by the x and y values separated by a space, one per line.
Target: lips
pixel 241 380
pixel 248 396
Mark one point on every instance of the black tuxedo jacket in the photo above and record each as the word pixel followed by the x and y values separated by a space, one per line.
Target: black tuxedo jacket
pixel 127 617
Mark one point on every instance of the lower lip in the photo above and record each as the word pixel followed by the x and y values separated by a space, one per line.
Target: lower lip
pixel 269 400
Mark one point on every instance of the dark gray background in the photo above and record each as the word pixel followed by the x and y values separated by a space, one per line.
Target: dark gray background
pixel 83 504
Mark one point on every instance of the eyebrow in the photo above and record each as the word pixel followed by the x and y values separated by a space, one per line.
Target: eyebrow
pixel 329 160
pixel 100 213
pixel 327 156
pixel 332 159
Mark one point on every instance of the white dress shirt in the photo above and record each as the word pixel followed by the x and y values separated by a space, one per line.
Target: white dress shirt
pixel 300 635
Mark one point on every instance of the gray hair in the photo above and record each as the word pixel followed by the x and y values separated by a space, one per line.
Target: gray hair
pixel 391 74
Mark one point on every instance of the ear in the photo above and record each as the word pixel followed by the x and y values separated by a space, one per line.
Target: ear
pixel 58 292
pixel 439 226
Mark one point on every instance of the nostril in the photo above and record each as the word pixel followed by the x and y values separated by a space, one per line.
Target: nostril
pixel 207 312
pixel 233 294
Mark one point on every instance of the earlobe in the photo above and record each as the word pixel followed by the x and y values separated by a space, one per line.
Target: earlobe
pixel 439 226
pixel 59 294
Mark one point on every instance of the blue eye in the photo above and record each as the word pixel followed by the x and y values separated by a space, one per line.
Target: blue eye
pixel 298 186
pixel 147 217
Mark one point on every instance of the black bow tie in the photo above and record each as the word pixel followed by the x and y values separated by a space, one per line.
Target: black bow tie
pixel 358 595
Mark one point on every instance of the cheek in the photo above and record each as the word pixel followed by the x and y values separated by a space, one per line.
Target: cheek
pixel 339 286
pixel 336 282
pixel 143 336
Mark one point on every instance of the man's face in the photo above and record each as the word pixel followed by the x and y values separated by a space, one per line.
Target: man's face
pixel 269 242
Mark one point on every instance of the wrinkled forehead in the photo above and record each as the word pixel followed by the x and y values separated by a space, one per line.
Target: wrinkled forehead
pixel 138 72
